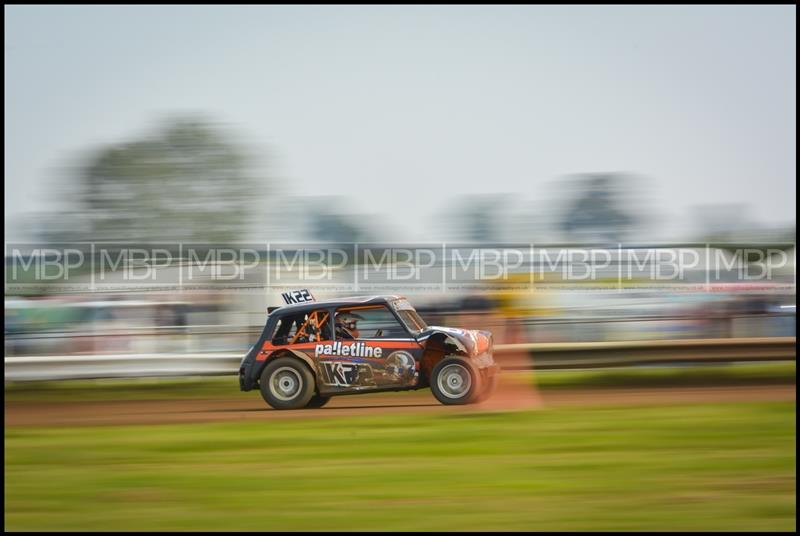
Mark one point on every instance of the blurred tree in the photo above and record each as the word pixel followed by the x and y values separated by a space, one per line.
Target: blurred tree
pixel 186 182
pixel 481 225
pixel 478 217
pixel 329 227
pixel 598 210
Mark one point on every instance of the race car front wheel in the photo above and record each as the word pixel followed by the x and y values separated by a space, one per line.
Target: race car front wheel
pixel 286 383
pixel 454 381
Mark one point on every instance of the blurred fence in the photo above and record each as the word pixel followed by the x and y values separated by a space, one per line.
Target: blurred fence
pixel 510 356
pixel 232 338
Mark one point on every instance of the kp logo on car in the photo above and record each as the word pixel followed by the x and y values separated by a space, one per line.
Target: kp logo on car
pixel 341 374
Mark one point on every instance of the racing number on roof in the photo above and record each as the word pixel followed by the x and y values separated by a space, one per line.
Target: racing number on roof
pixel 298 296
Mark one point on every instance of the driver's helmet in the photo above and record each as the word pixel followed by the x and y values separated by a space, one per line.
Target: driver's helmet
pixel 348 322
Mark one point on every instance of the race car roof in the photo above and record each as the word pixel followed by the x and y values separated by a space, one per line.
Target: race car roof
pixel 337 302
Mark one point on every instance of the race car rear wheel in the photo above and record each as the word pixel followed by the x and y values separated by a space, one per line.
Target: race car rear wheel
pixel 317 401
pixel 454 381
pixel 286 383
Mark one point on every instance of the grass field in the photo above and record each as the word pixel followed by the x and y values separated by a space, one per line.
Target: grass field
pixel 671 467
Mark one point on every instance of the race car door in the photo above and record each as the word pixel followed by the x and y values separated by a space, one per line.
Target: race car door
pixel 372 351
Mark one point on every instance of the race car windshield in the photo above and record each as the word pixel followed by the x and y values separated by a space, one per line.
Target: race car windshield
pixel 412 320
pixel 409 315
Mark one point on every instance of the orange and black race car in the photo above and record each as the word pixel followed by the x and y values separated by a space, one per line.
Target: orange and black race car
pixel 310 351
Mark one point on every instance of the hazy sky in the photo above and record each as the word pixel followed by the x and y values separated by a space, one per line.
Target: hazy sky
pixel 408 106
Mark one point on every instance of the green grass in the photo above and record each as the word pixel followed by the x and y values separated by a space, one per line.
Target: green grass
pixel 125 389
pixel 779 373
pixel 228 386
pixel 679 467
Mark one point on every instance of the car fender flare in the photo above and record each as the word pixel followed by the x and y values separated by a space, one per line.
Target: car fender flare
pixel 447 339
pixel 287 352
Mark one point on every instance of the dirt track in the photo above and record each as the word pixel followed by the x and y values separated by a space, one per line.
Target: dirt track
pixel 250 406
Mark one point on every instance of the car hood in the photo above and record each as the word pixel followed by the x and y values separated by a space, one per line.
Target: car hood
pixel 472 341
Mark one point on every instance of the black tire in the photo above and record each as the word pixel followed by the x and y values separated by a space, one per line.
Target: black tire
pixel 460 382
pixel 287 383
pixel 317 401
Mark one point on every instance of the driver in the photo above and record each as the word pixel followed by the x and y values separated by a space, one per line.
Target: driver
pixel 347 325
